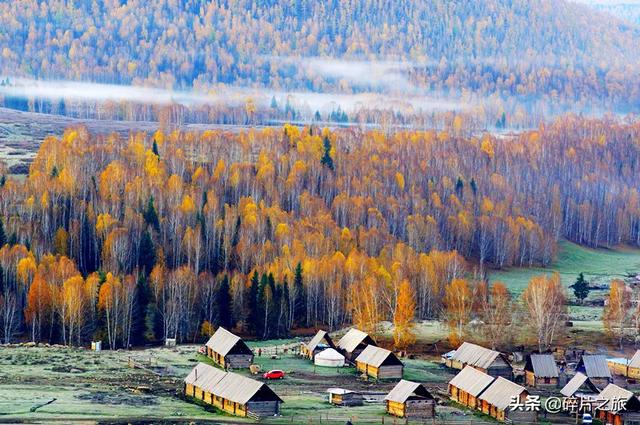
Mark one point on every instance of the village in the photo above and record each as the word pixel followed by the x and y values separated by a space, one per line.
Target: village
pixel 583 383
pixel 335 378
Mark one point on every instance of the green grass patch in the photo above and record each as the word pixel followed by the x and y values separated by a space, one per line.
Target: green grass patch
pixel 598 265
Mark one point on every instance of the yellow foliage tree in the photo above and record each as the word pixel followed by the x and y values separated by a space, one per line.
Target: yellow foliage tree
pixel 403 331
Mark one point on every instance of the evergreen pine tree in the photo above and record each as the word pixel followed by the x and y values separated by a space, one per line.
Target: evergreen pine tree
pixel 139 315
pixel 286 299
pixel 326 160
pixel 581 288
pixel 88 255
pixel 261 306
pixel 3 235
pixel 300 296
pixel 158 323
pixel 252 304
pixel 147 254
pixel 459 186
pixel 271 327
pixel 151 215
pixel 473 185
pixel 223 304
pixel 154 148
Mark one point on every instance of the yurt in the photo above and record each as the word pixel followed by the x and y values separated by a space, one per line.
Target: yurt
pixel 329 358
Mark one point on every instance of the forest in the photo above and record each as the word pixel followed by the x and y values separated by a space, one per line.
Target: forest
pixel 521 60
pixel 161 235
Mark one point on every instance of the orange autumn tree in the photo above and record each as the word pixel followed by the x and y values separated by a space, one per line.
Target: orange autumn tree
pixel 403 331
pixel 458 301
pixel 39 306
pixel 74 302
pixel 617 310
pixel 545 307
pixel 109 302
pixel 365 304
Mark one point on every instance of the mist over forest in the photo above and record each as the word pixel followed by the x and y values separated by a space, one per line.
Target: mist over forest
pixel 499 63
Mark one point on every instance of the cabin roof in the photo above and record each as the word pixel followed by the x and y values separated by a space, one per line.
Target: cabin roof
pixel 405 389
pixel 613 392
pixel 317 339
pixel 350 341
pixel 376 356
pixel 223 341
pixel 542 365
pixel 635 360
pixel 595 366
pixel 576 383
pixel 501 392
pixel 228 385
pixel 476 355
pixel 471 381
pixel 204 376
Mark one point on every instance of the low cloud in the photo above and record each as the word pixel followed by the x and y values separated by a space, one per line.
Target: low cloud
pixel 232 95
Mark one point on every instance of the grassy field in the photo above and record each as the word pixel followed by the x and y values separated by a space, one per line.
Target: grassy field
pixel 85 386
pixel 599 267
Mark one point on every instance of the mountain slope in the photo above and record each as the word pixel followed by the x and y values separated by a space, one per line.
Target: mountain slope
pixel 195 43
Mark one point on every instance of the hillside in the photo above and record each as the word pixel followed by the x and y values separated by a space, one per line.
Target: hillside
pixel 627 10
pixel 195 43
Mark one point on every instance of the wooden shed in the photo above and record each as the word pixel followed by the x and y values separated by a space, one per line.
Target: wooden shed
pixel 315 345
pixel 379 363
pixel 540 370
pixel 229 350
pixel 231 392
pixel 580 386
pixel 353 343
pixel 618 366
pixel 410 400
pixel 496 401
pixel 633 371
pixel 596 368
pixel 467 385
pixel 342 397
pixel 622 406
pixel 485 360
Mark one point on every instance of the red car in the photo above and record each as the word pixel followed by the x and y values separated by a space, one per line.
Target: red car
pixel 273 374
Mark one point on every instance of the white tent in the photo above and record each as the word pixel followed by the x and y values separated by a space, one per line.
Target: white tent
pixel 329 358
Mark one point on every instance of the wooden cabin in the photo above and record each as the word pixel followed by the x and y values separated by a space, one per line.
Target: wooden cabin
pixel 315 345
pixel 353 343
pixel 580 386
pixel 627 368
pixel 379 363
pixel 540 370
pixel 229 350
pixel 342 397
pixel 622 407
pixel 231 392
pixel 485 360
pixel 618 366
pixel 496 400
pixel 633 370
pixel 467 385
pixel 596 368
pixel 410 400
